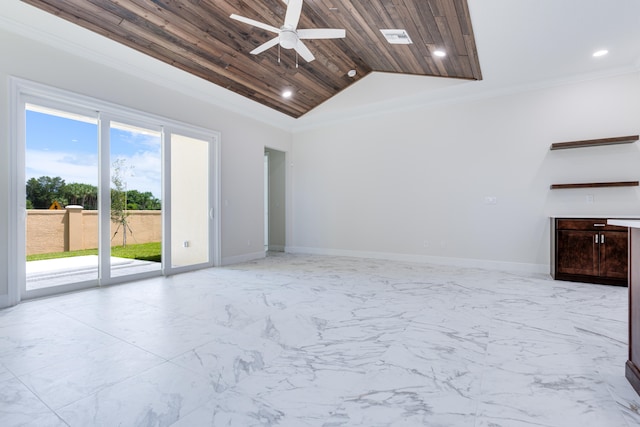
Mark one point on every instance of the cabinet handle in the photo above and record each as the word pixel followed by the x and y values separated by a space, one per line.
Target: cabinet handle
pixel 602 238
pixel 597 238
pixel 599 225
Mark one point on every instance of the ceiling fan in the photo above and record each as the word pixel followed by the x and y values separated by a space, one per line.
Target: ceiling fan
pixel 289 36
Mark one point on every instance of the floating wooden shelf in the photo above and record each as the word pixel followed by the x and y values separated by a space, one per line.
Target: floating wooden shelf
pixel 595 142
pixel 596 184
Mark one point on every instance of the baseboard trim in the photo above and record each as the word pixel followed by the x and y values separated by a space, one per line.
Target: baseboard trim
pixel 237 259
pixel 632 374
pixel 4 301
pixel 513 267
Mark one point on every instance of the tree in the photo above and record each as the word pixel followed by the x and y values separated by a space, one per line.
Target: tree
pixel 142 201
pixel 85 195
pixel 43 191
pixel 119 213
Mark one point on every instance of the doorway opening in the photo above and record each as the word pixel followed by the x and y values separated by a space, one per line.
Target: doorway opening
pixel 275 200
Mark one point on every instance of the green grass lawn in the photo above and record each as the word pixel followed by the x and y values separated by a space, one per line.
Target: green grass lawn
pixel 144 251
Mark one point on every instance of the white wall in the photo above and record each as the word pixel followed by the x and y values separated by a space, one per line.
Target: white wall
pixel 412 185
pixel 242 147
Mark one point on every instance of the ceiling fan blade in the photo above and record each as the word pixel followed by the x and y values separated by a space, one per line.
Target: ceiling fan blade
pixel 255 23
pixel 304 51
pixel 321 33
pixel 294 9
pixel 265 46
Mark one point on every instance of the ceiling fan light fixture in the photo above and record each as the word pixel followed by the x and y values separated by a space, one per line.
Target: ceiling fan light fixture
pixel 288 39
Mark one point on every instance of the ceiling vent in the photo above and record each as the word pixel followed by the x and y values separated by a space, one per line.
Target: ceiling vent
pixel 397 36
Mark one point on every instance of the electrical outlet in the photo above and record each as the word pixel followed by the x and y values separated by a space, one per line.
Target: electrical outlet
pixel 185 244
pixel 590 199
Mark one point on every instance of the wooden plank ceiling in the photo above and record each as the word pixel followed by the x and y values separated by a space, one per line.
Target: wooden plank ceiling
pixel 199 37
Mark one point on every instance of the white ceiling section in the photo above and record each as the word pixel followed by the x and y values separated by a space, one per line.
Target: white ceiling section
pixel 522 45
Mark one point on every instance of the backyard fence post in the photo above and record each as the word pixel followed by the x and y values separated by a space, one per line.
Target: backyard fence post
pixel 74 228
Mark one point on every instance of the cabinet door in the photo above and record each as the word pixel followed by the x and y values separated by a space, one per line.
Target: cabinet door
pixel 613 254
pixel 577 252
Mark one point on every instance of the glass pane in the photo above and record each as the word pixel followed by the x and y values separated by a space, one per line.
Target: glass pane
pixel 189 201
pixel 61 162
pixel 136 216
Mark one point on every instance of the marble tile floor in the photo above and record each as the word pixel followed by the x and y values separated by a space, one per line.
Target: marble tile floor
pixel 299 340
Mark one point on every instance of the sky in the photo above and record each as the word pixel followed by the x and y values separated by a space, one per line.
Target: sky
pixel 68 147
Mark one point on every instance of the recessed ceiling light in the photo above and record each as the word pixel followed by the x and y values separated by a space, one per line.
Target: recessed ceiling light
pixel 351 73
pixel 599 53
pixel 287 94
pixel 439 53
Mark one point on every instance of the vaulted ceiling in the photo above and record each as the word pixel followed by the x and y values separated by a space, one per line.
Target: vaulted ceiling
pixel 199 37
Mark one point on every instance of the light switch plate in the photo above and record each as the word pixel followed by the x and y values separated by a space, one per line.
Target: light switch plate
pixel 490 200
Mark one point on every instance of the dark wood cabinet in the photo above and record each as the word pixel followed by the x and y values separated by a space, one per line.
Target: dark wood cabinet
pixel 614 253
pixel 589 250
pixel 577 253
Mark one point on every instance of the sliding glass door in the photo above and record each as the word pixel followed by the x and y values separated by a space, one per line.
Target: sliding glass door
pixel 104 195
pixel 61 198
pixel 135 215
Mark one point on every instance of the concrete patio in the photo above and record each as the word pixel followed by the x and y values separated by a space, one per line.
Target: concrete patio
pixel 60 271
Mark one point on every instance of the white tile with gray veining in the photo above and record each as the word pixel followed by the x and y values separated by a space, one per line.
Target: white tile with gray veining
pixel 298 340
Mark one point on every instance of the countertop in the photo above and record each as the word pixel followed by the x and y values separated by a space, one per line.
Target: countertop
pixel 625 222
pixel 580 216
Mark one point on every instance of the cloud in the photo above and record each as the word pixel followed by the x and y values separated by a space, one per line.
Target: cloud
pixel 72 167
pixel 144 173
pixel 83 168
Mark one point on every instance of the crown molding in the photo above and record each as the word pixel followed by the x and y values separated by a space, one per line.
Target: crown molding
pixel 448 96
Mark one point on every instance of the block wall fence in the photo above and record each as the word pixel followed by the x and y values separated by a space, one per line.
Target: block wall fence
pixel 74 229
